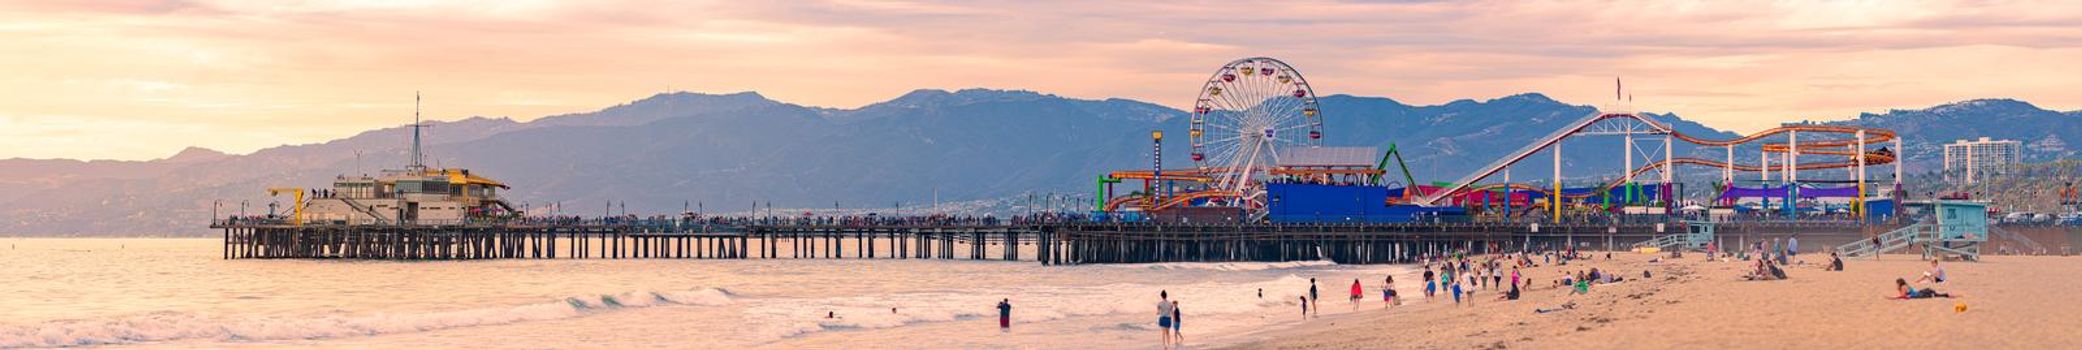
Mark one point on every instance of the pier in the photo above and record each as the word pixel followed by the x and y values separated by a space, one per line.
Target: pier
pixel 1058 243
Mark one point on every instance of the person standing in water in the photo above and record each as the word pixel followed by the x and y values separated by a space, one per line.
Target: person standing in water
pixel 1313 297
pixel 1004 314
pixel 1164 309
pixel 1304 307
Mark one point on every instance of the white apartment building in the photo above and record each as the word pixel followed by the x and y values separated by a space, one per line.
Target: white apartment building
pixel 1969 161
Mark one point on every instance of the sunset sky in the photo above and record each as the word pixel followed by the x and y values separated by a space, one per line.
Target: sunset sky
pixel 144 79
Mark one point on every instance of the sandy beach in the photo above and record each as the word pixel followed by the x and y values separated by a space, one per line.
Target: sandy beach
pixel 2012 303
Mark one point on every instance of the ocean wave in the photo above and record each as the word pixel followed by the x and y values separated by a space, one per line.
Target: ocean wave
pixel 175 326
pixel 781 318
pixel 1229 266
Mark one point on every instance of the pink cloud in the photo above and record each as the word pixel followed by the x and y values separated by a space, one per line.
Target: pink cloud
pixel 247 66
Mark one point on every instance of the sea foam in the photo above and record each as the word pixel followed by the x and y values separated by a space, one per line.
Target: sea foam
pixel 174 326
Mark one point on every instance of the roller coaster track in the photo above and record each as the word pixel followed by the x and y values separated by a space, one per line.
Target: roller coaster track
pixel 1169 202
pixel 1871 158
pixel 1837 147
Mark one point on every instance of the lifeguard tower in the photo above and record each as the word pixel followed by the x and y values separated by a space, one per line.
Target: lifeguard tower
pixel 1942 227
pixel 1697 233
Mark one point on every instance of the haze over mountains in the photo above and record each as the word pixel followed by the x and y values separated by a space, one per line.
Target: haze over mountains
pixel 729 151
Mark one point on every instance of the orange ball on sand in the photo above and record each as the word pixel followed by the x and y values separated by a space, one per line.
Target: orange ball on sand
pixel 1959 307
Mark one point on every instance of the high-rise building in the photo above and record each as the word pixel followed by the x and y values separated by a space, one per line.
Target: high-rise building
pixel 1969 161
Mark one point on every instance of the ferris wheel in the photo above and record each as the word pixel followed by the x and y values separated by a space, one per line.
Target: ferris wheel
pixel 1247 112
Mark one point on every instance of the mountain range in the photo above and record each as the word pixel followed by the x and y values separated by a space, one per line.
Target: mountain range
pixel 731 152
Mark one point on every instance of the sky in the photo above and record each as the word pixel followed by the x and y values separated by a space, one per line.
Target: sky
pixel 137 80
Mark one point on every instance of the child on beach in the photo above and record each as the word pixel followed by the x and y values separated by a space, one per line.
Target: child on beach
pixel 1357 292
pixel 1456 293
pixel 1431 286
pixel 1178 324
pixel 1304 307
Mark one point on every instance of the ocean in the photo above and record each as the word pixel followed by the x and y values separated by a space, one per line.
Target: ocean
pixel 179 293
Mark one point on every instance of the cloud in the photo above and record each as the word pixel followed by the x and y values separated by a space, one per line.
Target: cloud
pixel 324 69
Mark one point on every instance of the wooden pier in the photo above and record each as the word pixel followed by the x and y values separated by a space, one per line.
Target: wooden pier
pixel 1048 244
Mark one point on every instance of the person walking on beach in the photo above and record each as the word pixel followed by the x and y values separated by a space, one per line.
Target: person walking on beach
pixel 1164 309
pixel 1178 324
pixel 1514 277
pixel 1496 278
pixel 1456 293
pixel 1388 291
pixel 1792 246
pixel 1357 292
pixel 1004 314
pixel 1431 286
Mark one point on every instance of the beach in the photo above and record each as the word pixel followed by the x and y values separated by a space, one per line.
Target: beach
pixel 2013 302
pixel 173 294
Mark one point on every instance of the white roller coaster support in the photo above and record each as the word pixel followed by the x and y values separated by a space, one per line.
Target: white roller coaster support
pixel 1899 155
pixel 1728 171
pixel 1793 157
pixel 1764 167
pixel 1628 152
pixel 1669 173
pixel 1861 172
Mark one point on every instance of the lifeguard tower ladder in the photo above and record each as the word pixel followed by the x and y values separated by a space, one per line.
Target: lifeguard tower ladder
pixel 1943 228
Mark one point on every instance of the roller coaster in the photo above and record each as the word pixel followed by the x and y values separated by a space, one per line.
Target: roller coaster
pixel 1851 143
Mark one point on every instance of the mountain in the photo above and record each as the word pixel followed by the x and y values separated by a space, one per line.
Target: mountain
pixel 2046 134
pixel 730 151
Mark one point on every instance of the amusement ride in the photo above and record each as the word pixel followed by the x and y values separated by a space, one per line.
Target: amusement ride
pixel 1256 132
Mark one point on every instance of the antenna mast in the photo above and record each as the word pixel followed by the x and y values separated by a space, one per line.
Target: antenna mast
pixel 418 159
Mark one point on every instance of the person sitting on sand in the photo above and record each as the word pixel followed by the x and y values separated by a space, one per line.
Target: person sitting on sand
pixel 1935 275
pixel 1835 262
pixel 1906 292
